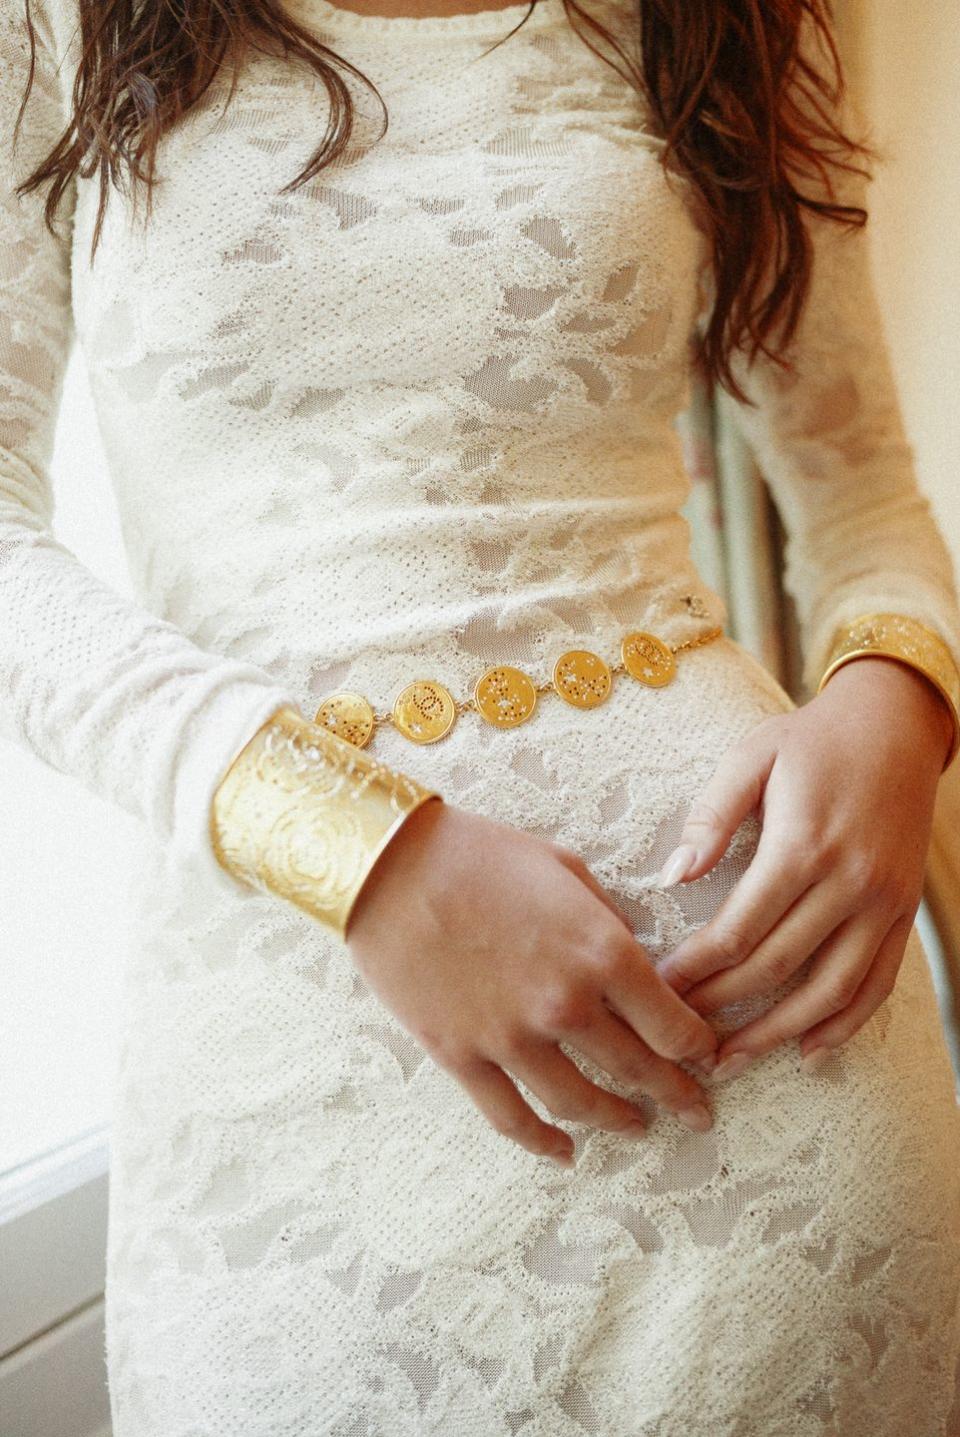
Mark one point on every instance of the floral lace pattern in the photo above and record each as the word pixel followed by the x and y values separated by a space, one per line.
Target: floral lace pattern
pixel 316 1231
pixel 421 411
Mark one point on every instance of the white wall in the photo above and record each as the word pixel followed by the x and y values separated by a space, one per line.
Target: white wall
pixel 903 63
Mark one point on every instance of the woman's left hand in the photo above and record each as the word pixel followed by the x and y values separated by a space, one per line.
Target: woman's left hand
pixel 845 788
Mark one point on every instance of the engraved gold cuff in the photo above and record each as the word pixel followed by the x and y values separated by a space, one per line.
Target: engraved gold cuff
pixel 304 815
pixel 896 636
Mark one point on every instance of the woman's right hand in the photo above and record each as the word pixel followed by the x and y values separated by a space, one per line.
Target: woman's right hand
pixel 491 945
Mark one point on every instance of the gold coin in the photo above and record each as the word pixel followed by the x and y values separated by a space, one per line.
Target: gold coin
pixel 505 696
pixel 647 658
pixel 347 715
pixel 424 711
pixel 581 678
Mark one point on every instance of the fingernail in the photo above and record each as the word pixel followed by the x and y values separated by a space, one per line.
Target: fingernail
pixel 733 1065
pixel 563 1156
pixel 678 863
pixel 813 1061
pixel 707 1063
pixel 698 1117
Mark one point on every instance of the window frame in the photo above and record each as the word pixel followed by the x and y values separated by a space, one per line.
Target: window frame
pixel 53 1233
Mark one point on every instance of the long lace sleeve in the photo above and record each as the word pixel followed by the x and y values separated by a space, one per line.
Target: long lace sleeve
pixel 94 685
pixel 831 443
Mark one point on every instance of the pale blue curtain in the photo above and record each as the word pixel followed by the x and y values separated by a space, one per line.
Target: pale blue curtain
pixel 736 532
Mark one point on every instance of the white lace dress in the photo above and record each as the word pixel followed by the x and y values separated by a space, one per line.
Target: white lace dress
pixel 407 420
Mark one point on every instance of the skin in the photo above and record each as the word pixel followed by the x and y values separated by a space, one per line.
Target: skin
pixel 491 946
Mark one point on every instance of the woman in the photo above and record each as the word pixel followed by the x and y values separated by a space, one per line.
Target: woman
pixel 402 433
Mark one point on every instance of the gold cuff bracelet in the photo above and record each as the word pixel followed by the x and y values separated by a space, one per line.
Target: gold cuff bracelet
pixel 895 636
pixel 304 815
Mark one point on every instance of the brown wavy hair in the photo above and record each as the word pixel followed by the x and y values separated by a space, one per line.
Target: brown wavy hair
pixel 730 87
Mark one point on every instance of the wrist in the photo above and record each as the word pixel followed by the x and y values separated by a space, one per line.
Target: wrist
pixel 910 659
pixel 878 681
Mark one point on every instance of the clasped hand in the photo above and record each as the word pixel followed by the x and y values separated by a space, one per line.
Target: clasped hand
pixel 845 788
pixel 491 946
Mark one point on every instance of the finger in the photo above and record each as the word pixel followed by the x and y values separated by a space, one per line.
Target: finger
pixel 633 988
pixel 507 1111
pixel 568 1093
pixel 576 865
pixel 581 870
pixel 790 942
pixel 873 991
pixel 734 791
pixel 760 898
pixel 610 1043
pixel 836 972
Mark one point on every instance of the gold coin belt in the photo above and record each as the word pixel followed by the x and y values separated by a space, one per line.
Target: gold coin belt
pixel 504 696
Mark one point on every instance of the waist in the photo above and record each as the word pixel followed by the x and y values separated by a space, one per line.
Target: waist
pixel 505 696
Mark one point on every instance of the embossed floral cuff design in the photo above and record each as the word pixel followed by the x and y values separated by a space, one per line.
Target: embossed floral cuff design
pixel 304 815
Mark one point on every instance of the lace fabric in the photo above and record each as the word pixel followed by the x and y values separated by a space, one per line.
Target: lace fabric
pixel 414 418
pixel 315 1229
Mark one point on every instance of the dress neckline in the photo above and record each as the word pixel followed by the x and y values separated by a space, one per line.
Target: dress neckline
pixel 484 22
